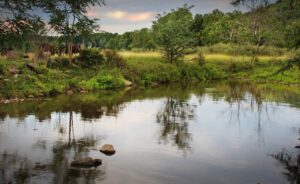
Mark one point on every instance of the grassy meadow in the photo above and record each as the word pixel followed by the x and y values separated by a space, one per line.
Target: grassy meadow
pixel 141 69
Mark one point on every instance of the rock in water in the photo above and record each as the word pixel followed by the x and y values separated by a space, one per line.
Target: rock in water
pixel 86 162
pixel 108 149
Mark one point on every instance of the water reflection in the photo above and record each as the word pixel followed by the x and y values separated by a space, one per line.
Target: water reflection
pixel 185 117
pixel 291 164
pixel 174 117
pixel 15 168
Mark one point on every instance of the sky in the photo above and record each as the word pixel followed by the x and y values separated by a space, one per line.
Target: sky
pixel 119 16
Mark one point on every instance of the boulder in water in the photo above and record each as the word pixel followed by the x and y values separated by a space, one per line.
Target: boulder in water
pixel 86 162
pixel 108 149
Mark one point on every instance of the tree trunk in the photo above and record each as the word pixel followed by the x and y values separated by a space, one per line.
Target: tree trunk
pixel 70 53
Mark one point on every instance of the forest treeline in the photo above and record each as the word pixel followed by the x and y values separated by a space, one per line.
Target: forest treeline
pixel 262 25
pixel 271 25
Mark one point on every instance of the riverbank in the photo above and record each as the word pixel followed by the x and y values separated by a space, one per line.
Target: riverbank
pixel 19 82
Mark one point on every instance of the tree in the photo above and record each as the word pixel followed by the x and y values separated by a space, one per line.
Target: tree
pixel 84 28
pixel 126 40
pixel 257 23
pixel 293 35
pixel 213 27
pixel 16 8
pixel 17 22
pixel 252 5
pixel 142 39
pixel 172 33
pixel 114 43
pixel 67 15
pixel 198 27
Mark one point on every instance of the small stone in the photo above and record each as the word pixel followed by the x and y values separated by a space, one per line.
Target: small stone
pixel 128 83
pixel 108 149
pixel 297 147
pixel 86 162
pixel 30 96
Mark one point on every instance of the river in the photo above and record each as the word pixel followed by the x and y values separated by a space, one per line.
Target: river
pixel 222 133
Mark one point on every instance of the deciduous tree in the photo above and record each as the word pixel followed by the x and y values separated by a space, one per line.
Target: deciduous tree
pixel 67 15
pixel 172 33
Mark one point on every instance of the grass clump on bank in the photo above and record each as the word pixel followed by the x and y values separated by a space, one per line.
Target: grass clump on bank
pixel 104 80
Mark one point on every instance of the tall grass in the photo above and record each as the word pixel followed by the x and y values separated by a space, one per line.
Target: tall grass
pixel 246 50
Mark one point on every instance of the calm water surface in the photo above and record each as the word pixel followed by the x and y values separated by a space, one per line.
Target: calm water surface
pixel 227 133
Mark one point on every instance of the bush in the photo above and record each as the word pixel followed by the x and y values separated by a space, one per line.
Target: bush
pixel 104 81
pixel 114 59
pixel 90 57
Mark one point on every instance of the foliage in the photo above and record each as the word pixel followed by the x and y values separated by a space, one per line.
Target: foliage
pixel 141 69
pixel 114 59
pixel 142 39
pixel 90 57
pixel 293 34
pixel 104 81
pixel 69 18
pixel 197 27
pixel 172 33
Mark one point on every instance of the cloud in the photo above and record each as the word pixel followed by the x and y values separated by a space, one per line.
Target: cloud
pixel 122 15
pixel 92 13
pixel 138 17
pixel 132 17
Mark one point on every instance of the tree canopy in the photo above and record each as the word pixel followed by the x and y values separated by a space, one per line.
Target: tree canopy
pixel 172 33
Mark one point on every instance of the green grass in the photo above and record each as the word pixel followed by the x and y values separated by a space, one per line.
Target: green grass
pixel 142 68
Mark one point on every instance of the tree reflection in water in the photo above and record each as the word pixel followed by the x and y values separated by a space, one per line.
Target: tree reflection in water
pixel 74 149
pixel 18 169
pixel 291 163
pixel 174 118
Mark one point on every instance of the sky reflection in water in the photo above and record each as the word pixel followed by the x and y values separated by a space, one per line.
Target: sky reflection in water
pixel 217 133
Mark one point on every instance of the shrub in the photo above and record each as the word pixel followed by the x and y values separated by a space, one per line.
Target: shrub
pixel 104 81
pixel 114 59
pixel 90 57
pixel 210 72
